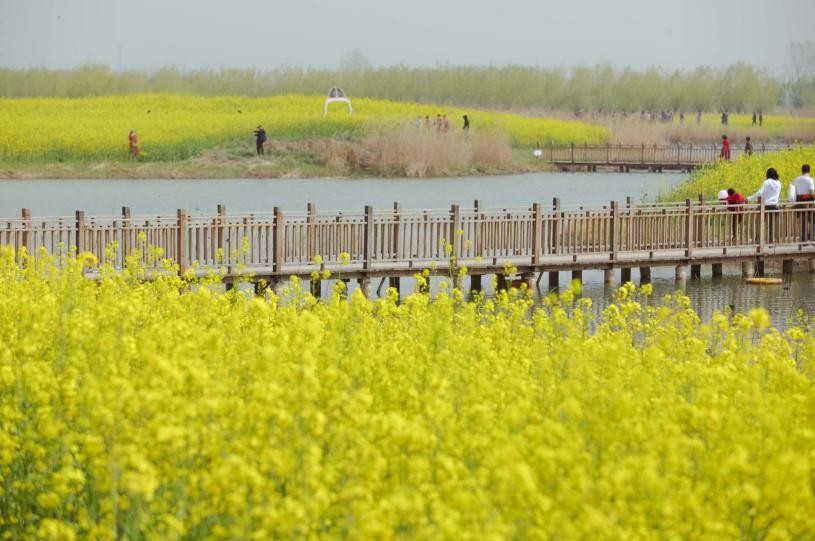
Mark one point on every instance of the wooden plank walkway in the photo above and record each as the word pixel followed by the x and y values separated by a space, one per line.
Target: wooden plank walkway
pixel 644 157
pixel 395 242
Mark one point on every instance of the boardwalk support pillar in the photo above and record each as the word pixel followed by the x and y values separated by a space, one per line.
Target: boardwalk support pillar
pixel 608 276
pixel 475 283
pixel 554 280
pixel 695 272
pixel 812 266
pixel 681 273
pixel 365 286
pixel 747 269
pixel 625 275
pixel 716 270
pixel 645 275
pixel 394 282
pixel 317 287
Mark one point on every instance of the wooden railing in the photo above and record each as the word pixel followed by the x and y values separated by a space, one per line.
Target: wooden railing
pixel 643 154
pixel 397 240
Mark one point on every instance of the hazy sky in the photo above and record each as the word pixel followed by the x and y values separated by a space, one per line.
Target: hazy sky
pixel 147 34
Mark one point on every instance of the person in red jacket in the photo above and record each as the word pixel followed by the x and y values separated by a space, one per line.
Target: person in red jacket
pixel 725 153
pixel 735 203
pixel 134 143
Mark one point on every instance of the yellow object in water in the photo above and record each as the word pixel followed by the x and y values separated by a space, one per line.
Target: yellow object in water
pixel 764 281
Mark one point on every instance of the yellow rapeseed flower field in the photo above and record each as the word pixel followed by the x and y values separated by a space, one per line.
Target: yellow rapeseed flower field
pixel 157 410
pixel 178 127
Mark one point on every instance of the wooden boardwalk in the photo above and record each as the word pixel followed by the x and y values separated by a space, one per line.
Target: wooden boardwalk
pixel 644 157
pixel 395 243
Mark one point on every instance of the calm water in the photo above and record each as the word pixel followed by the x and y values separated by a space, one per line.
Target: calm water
pixel 63 197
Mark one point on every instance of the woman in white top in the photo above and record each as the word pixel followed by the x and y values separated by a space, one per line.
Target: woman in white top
pixel 769 192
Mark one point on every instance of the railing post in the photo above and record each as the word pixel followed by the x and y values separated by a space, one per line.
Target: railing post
pixel 221 228
pixel 572 151
pixel 182 241
pixel 690 154
pixel 607 153
pixel 536 234
pixel 615 230
pixel 642 154
pixel 80 231
pixel 26 216
pixel 762 220
pixel 555 226
pixel 455 225
pixel 367 238
pixel 126 244
pixel 478 228
pixel 397 230
pixel 311 227
pixel 277 242
pixel 688 228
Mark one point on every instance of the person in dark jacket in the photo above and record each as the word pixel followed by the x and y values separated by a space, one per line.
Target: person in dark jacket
pixel 260 138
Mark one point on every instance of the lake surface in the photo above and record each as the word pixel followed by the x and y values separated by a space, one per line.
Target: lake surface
pixel 63 197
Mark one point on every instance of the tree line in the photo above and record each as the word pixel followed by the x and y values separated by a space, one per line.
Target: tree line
pixel 736 88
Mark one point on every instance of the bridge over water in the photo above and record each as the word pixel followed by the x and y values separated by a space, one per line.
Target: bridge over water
pixel 394 242
pixel 643 157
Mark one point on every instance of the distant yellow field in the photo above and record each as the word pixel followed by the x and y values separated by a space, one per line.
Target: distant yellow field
pixel 772 125
pixel 178 127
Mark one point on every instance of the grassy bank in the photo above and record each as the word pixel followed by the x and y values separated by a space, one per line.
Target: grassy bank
pixel 397 153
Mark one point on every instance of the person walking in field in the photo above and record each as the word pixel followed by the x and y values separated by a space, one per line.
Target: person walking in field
pixel 804 196
pixel 770 193
pixel 466 127
pixel 725 152
pixel 133 139
pixel 748 147
pixel 260 138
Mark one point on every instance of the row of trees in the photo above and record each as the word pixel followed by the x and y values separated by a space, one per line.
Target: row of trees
pixel 737 88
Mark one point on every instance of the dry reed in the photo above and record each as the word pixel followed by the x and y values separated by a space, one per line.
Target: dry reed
pixel 412 151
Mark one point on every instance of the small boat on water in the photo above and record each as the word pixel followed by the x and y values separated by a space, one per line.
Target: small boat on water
pixel 764 281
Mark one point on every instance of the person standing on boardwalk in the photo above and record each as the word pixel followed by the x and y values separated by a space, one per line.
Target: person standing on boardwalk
pixel 754 118
pixel 735 204
pixel 725 152
pixel 769 192
pixel 804 196
pixel 260 138
pixel 760 119
pixel 748 147
pixel 133 139
pixel 466 127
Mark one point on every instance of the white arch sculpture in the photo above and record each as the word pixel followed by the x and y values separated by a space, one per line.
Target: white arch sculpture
pixel 336 94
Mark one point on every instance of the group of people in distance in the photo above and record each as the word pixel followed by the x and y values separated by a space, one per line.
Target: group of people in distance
pixel 802 191
pixel 724 153
pixel 441 124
